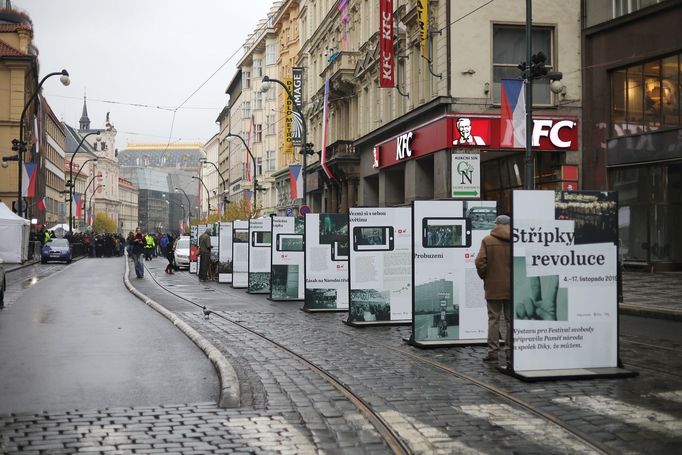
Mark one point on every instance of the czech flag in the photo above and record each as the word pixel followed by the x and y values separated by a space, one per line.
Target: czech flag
pixel 78 203
pixel 41 204
pixel 28 183
pixel 513 114
pixel 296 181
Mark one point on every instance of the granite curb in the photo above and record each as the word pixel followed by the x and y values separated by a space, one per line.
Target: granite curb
pixel 649 312
pixel 229 382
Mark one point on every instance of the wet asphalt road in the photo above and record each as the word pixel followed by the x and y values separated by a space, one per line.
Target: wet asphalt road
pixel 73 337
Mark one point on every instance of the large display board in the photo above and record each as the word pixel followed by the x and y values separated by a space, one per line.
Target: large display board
pixel 326 262
pixel 193 249
pixel 225 253
pixel 380 266
pixel 260 240
pixel 564 279
pixel 287 278
pixel 449 302
pixel 240 254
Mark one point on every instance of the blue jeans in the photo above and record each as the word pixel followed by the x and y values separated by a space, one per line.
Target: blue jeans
pixel 139 265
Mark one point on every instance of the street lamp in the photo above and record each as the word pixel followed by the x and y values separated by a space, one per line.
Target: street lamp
pixel 208 194
pixel 71 183
pixel 85 196
pixel 255 179
pixel 19 146
pixel 189 205
pixel 265 86
pixel 205 161
pixel 95 191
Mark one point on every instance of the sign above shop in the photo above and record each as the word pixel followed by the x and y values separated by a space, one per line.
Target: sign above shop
pixel 466 175
pixel 477 131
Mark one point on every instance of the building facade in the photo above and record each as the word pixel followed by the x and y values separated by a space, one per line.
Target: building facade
pixel 211 178
pixel 633 134
pixel 128 218
pixel 51 178
pixel 80 164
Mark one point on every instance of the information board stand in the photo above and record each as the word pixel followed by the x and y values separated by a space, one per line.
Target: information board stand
pixel 260 242
pixel 240 254
pixel 326 262
pixel 225 253
pixel 286 279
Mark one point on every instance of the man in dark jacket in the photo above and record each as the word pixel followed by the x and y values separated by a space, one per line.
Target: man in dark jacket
pixel 493 264
pixel 204 254
pixel 137 244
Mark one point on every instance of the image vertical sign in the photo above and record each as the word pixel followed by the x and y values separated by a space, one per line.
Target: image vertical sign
pixel 564 279
pixel 287 145
pixel 260 240
pixel 286 281
pixel 466 175
pixel 326 262
pixel 240 254
pixel 297 92
pixel 225 253
pixel 380 266
pixel 449 302
pixel 387 69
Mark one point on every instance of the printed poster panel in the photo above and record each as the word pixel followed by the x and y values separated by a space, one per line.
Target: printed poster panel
pixel 449 301
pixel 193 249
pixel 260 242
pixel 380 265
pixel 466 176
pixel 225 253
pixel 326 262
pixel 215 242
pixel 564 280
pixel 240 254
pixel 286 281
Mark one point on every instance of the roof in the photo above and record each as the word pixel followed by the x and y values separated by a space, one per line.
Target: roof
pixel 72 139
pixel 9 28
pixel 8 51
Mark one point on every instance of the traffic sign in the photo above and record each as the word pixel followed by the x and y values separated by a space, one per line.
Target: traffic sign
pixel 304 209
pixel 289 211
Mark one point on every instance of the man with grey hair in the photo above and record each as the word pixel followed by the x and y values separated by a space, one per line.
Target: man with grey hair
pixel 204 254
pixel 493 264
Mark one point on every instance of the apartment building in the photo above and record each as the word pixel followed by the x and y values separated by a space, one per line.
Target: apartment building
pixel 50 187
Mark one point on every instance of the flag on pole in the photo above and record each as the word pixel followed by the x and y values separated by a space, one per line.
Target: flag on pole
pixel 28 182
pixel 325 128
pixel 41 204
pixel 247 194
pixel 78 204
pixel 513 114
pixel 296 181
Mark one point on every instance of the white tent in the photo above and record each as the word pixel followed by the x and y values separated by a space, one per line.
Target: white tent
pixel 14 235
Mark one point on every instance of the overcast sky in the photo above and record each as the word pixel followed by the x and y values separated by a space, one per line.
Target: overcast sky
pixel 150 52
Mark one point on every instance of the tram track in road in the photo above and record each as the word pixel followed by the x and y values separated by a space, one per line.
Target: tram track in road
pixel 390 436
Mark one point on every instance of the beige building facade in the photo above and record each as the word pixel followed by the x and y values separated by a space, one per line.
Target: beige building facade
pixel 128 219
pixel 51 178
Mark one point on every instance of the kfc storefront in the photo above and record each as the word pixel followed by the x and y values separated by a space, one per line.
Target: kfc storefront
pixel 416 163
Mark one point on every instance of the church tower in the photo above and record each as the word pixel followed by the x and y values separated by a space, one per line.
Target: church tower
pixel 85 120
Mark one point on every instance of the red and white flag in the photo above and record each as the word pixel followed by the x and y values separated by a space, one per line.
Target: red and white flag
pixel 325 128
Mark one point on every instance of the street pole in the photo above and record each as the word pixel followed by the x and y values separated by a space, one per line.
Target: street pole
pixel 22 145
pixel 95 191
pixel 529 177
pixel 255 179
pixel 71 182
pixel 189 207
pixel 208 195
pixel 205 161
pixel 85 198
pixel 304 133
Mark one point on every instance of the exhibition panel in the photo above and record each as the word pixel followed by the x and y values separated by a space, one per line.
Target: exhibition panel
pixel 194 249
pixel 260 240
pixel 286 280
pixel 240 254
pixel 225 253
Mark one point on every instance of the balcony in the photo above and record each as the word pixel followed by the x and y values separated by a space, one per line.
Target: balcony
pixel 340 70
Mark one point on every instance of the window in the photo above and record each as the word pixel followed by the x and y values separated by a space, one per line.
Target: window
pixel 258 133
pixel 509 49
pixel 271 54
pixel 646 97
pixel 246 79
pixel 257 68
pixel 246 109
pixel 259 165
pixel 258 101
pixel 270 124
pixel 271 158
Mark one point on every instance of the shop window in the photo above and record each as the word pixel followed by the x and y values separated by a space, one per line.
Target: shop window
pixel 509 49
pixel 671 81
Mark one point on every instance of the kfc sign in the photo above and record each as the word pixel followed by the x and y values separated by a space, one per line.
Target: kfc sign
pixel 387 70
pixel 375 157
pixel 551 130
pixel 403 149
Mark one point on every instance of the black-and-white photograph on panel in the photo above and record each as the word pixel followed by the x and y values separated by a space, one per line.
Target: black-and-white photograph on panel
pixel 380 265
pixel 286 281
pixel 225 253
pixel 260 242
pixel 240 254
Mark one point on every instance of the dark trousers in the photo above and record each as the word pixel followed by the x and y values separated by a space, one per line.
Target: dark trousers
pixel 495 310
pixel 204 260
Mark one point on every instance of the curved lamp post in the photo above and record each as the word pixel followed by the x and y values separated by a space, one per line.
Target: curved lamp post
pixel 71 183
pixel 95 191
pixel 265 86
pixel 182 206
pixel 205 161
pixel 20 144
pixel 208 195
pixel 189 205
pixel 255 179
pixel 85 196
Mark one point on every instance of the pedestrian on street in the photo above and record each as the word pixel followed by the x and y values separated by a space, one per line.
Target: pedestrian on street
pixel 149 247
pixel 169 250
pixel 493 264
pixel 204 254
pixel 137 244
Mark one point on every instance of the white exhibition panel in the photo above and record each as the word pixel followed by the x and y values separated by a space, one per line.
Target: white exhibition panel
pixel 380 265
pixel 225 253
pixel 240 254
pixel 449 301
pixel 194 242
pixel 564 280
pixel 287 281
pixel 260 240
pixel 326 262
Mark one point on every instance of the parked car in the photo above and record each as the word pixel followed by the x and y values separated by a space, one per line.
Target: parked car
pixel 56 250
pixel 3 285
pixel 181 254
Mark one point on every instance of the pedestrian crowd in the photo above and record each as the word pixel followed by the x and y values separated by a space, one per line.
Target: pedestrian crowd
pixel 148 246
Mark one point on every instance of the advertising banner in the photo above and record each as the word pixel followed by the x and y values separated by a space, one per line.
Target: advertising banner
pixel 564 279
pixel 240 254
pixel 449 302
pixel 193 249
pixel 225 253
pixel 380 265
pixel 286 280
pixel 287 145
pixel 297 93
pixel 466 175
pixel 423 12
pixel 260 242
pixel 387 69
pixel 215 243
pixel 326 262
